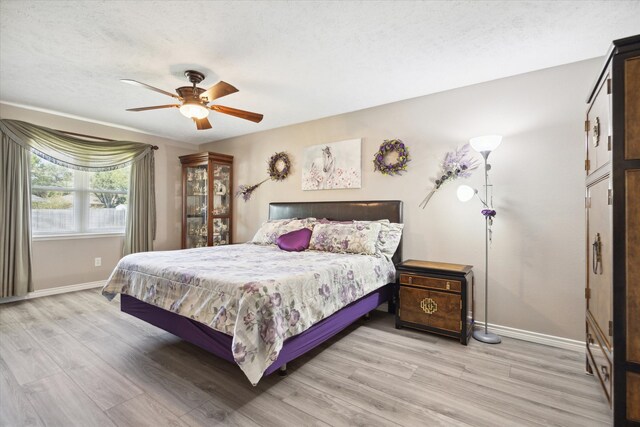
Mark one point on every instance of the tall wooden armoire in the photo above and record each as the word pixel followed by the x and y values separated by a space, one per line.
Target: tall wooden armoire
pixel 612 203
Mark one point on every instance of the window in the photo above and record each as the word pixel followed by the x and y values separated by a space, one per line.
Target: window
pixel 67 201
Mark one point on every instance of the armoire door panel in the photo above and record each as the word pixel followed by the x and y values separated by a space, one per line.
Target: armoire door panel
pixel 599 130
pixel 632 247
pixel 599 257
pixel 632 108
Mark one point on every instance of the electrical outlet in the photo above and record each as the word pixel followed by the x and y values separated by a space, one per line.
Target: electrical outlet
pixel 98 262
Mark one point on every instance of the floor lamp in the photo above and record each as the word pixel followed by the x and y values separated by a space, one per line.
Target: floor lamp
pixel 484 145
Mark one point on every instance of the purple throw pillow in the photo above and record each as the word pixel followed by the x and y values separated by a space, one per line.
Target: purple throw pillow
pixel 294 241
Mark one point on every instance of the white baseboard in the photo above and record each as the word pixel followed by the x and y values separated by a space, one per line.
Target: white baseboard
pixel 55 291
pixel 505 331
pixel 536 337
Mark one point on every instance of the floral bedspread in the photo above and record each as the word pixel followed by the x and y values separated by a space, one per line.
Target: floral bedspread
pixel 260 295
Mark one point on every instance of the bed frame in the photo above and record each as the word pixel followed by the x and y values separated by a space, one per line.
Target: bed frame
pixel 220 344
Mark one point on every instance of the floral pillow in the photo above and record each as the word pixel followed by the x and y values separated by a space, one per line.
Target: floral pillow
pixel 356 238
pixel 330 221
pixel 272 229
pixel 389 237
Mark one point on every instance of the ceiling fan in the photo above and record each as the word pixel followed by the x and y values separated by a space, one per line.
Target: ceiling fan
pixel 194 100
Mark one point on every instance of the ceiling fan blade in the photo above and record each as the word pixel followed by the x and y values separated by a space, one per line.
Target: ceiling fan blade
pixel 247 115
pixel 218 90
pixel 202 124
pixel 155 89
pixel 155 107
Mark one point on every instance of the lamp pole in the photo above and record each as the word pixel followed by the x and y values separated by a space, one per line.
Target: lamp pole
pixel 486 336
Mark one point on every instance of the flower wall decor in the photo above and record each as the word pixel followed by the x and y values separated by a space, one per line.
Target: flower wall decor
pixel 246 190
pixel 387 147
pixel 456 164
pixel 278 168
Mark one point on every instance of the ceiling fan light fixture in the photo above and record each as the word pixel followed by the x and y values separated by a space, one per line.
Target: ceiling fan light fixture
pixel 194 100
pixel 194 110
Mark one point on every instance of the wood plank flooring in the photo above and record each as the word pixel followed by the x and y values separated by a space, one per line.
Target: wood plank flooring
pixel 76 360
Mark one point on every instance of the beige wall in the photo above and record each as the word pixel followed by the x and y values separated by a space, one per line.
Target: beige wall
pixel 71 261
pixel 536 270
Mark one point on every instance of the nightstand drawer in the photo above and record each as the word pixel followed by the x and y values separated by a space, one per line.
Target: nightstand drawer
pixel 430 282
pixel 430 308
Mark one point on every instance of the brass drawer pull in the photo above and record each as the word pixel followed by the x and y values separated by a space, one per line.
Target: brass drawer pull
pixel 448 285
pixel 410 280
pixel 428 305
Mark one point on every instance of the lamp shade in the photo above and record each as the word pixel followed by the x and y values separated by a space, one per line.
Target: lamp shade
pixel 465 193
pixel 485 143
pixel 194 110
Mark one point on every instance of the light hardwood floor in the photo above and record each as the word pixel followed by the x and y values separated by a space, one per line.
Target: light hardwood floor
pixel 75 359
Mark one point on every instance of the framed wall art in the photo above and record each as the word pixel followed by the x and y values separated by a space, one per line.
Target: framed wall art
pixel 332 166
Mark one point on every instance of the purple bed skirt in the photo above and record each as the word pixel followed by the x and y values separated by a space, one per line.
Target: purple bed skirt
pixel 220 344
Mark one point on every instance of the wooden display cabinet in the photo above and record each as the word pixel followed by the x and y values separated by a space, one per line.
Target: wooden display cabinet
pixel 435 297
pixel 207 199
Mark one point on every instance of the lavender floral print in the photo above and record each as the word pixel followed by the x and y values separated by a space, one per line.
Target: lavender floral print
pixel 258 294
pixel 356 238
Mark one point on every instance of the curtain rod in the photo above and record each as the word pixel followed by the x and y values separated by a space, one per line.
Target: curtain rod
pixel 154 147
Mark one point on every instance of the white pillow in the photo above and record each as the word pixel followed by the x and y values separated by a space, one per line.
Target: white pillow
pixel 389 237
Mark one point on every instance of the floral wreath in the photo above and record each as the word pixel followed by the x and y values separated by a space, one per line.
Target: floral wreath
pixel 275 173
pixel 391 146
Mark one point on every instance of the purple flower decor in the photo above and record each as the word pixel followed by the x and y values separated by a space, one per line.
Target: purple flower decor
pixel 391 146
pixel 246 190
pixel 456 164
pixel 489 213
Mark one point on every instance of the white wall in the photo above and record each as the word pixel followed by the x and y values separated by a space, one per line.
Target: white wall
pixel 537 256
pixel 70 262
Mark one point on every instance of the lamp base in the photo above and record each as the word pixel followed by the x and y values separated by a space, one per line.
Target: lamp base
pixel 487 338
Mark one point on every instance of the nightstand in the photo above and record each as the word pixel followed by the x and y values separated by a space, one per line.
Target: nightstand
pixel 435 297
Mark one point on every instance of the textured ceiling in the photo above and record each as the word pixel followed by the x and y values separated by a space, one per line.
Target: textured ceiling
pixel 292 61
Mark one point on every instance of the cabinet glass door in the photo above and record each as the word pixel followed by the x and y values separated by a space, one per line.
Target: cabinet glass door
pixel 220 231
pixel 221 204
pixel 221 190
pixel 197 202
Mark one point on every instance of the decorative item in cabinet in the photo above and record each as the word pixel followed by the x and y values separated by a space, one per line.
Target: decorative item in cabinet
pixel 207 203
pixel 435 297
pixel 612 206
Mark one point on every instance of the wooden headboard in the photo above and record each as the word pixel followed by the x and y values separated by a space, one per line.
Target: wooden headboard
pixel 369 210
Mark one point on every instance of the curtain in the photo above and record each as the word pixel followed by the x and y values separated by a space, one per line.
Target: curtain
pixel 15 219
pixel 18 139
pixel 141 218
pixel 73 152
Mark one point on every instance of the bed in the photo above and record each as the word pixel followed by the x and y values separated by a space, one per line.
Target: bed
pixel 245 303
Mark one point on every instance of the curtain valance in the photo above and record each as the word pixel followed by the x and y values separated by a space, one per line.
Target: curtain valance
pixel 73 152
